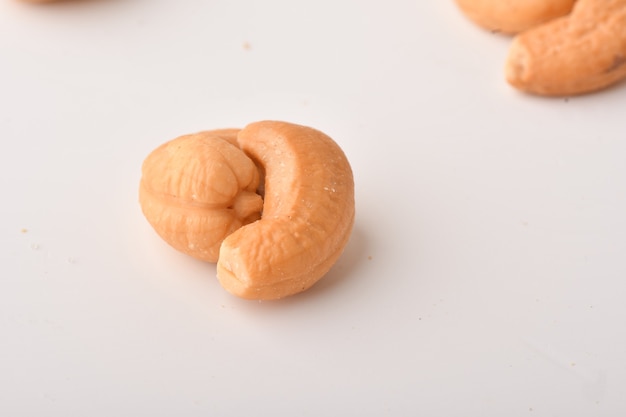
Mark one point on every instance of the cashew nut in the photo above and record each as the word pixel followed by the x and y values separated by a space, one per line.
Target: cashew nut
pixel 575 54
pixel 308 213
pixel 513 16
pixel 197 189
pixel 191 196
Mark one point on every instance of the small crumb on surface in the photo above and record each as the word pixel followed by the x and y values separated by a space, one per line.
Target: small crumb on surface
pixel 246 46
pixel 24 230
pixel 369 257
pixel 573 364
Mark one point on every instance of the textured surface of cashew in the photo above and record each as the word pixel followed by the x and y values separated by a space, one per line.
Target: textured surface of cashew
pixel 191 188
pixel 197 189
pixel 580 53
pixel 513 16
pixel 308 213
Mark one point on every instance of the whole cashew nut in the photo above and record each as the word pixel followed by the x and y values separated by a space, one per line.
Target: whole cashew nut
pixel 308 213
pixel 307 207
pixel 513 16
pixel 579 53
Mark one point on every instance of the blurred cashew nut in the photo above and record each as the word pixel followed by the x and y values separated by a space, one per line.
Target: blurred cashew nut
pixel 576 54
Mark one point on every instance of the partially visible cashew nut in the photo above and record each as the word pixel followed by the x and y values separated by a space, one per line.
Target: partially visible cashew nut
pixel 513 16
pixel 197 189
pixel 307 212
pixel 576 54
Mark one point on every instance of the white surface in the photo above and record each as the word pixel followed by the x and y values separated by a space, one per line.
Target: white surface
pixel 485 276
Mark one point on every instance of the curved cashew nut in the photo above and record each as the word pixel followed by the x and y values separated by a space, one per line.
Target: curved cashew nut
pixel 513 16
pixel 308 213
pixel 197 191
pixel 576 54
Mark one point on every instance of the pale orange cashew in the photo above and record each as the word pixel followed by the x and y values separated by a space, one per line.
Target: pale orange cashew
pixel 576 54
pixel 197 189
pixel 513 16
pixel 307 212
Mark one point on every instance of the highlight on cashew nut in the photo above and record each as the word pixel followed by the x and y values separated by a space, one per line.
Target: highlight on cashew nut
pixel 576 54
pixel 272 204
pixel 513 16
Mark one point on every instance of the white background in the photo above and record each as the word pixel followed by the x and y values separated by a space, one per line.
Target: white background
pixel 485 275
